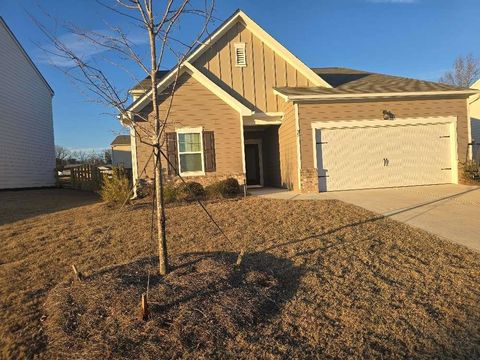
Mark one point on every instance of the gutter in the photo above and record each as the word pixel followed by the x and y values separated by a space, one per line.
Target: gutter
pixel 374 95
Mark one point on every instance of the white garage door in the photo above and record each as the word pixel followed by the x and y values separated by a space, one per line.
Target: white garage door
pixel 384 156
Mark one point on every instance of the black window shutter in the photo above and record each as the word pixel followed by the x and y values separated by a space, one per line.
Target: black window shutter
pixel 172 153
pixel 209 151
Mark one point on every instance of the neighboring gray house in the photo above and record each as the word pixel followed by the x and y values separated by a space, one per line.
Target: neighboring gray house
pixel 121 151
pixel 27 151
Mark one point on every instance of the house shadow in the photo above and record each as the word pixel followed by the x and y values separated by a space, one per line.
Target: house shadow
pixel 429 205
pixel 16 205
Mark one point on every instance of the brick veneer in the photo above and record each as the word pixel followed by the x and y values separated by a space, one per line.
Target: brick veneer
pixel 309 180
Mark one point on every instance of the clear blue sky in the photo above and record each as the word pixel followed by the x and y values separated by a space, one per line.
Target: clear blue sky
pixel 414 38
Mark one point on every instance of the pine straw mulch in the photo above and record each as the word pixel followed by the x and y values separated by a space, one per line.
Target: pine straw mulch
pixel 200 309
pixel 344 282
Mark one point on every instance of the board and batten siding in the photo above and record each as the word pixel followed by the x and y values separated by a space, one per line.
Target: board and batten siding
pixel 195 106
pixel 312 112
pixel 27 151
pixel 254 83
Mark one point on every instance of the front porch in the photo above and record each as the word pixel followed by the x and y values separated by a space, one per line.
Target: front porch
pixel 262 156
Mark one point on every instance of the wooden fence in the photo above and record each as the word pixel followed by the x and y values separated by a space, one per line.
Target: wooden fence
pixel 89 177
pixel 86 177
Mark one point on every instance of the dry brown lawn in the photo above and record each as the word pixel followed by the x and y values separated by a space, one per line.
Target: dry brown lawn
pixel 344 283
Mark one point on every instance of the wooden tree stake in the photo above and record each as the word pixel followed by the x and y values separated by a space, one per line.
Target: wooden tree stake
pixel 240 257
pixel 78 274
pixel 144 307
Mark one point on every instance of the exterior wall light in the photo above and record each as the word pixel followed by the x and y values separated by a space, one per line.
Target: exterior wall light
pixel 388 115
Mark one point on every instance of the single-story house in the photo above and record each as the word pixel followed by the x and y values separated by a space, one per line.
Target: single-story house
pixel 27 150
pixel 246 107
pixel 121 151
pixel 474 102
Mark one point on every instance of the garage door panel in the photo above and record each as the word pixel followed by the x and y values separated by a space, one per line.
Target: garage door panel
pixel 383 156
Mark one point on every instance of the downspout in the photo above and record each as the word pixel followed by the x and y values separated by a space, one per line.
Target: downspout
pixel 242 140
pixel 133 150
pixel 299 148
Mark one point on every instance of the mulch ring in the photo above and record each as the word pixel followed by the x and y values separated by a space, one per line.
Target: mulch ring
pixel 199 308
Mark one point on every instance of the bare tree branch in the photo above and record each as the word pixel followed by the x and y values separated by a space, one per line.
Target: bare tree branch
pixel 466 70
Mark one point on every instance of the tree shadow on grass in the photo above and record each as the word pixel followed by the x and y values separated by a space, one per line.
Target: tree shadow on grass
pixel 199 308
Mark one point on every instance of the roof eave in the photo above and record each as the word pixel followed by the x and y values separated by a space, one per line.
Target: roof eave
pixel 462 93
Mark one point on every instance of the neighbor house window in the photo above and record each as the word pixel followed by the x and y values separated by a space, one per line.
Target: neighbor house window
pixel 190 151
pixel 240 55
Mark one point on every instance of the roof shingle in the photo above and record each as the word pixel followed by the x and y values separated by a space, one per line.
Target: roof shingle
pixel 121 140
pixel 350 81
pixel 145 83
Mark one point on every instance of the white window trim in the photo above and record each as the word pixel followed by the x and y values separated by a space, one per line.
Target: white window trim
pixel 197 130
pixel 244 48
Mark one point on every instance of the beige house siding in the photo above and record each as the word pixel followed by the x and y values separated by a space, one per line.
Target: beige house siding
pixel 309 113
pixel 195 106
pixel 265 69
pixel 287 144
pixel 474 108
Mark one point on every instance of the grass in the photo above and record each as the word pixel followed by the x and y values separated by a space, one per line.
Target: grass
pixel 351 284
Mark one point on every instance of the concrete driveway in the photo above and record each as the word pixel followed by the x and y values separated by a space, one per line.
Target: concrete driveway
pixel 449 211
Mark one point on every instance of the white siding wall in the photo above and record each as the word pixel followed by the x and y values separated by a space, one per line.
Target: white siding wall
pixel 27 153
pixel 122 156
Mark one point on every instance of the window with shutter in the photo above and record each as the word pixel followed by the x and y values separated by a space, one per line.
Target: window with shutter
pixel 190 151
pixel 240 55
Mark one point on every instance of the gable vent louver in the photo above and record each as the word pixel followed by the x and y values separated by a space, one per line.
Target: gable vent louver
pixel 240 55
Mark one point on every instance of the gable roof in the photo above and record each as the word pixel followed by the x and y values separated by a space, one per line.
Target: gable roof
pixel 145 85
pixel 348 82
pixel 121 140
pixel 237 16
pixel 15 40
pixel 202 79
pixel 476 85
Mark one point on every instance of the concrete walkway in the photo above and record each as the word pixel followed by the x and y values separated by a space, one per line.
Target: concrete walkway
pixel 449 211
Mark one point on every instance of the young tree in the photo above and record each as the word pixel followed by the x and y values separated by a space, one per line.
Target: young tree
pixel 466 70
pixel 160 22
pixel 107 156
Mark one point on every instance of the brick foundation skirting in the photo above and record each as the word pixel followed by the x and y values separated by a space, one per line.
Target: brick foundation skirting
pixel 309 180
pixel 205 180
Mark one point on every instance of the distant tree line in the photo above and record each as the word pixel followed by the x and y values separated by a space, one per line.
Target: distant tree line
pixel 65 156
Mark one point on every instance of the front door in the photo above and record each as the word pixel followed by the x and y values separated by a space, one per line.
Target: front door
pixel 252 163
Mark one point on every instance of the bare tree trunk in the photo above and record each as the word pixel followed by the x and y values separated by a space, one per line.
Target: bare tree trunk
pixel 162 238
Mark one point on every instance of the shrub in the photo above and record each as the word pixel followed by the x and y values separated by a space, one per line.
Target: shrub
pixel 144 188
pixel 226 188
pixel 471 170
pixel 170 193
pixel 213 190
pixel 190 191
pixel 230 187
pixel 115 189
